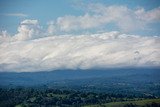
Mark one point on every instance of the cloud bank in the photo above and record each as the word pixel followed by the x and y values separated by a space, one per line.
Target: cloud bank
pixel 104 50
pixel 33 48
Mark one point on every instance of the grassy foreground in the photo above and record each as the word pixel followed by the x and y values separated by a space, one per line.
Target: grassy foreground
pixel 121 104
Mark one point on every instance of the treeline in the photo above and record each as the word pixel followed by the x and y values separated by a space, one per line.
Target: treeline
pixel 34 97
pixel 153 104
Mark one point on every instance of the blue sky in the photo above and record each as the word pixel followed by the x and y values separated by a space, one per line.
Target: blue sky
pixel 48 10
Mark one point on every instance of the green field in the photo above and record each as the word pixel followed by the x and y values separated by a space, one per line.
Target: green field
pixel 121 104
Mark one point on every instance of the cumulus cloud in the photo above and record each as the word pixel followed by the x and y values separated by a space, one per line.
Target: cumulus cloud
pixel 104 50
pixel 98 15
pixel 27 30
pixel 5 37
pixel 51 28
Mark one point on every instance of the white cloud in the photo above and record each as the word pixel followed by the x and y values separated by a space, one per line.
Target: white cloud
pixel 80 51
pixel 99 15
pixel 16 14
pixel 148 16
pixel 27 30
pixel 5 37
pixel 51 28
pixel 68 23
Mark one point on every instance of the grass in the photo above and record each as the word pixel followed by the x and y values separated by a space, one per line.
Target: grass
pixel 121 104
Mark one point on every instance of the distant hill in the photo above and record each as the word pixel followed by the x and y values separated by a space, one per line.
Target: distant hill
pixel 129 81
pixel 44 77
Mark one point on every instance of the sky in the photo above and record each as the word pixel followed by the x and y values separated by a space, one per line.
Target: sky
pixel 45 35
pixel 47 11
